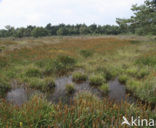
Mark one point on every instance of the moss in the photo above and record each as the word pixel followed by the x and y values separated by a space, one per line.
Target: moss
pixel 79 77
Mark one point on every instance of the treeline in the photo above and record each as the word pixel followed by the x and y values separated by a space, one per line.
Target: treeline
pixel 143 22
pixel 62 29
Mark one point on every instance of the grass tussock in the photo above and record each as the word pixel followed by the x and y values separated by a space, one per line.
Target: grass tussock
pixel 123 78
pixel 33 72
pixel 110 73
pixel 96 80
pixel 44 85
pixel 63 64
pixel 104 88
pixel 79 77
pixel 70 88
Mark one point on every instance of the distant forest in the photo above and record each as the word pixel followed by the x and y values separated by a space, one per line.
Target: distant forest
pixel 143 22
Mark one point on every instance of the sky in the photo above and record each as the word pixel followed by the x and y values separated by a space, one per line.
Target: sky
pixel 19 13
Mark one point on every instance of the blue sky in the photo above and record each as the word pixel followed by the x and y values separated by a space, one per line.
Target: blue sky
pixel 40 12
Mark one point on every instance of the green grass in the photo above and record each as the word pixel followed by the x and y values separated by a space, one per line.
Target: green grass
pixel 4 86
pixel 79 77
pixel 63 64
pixel 104 88
pixel 133 85
pixel 147 60
pixel 133 70
pixel 87 111
pixel 3 62
pixel 70 88
pixel 142 73
pixel 44 85
pixel 110 73
pixel 138 71
pixel 96 80
pixel 49 84
pixel 123 78
pixel 144 90
pixel 36 113
pixel 33 72
pixel 147 91
pixel 86 53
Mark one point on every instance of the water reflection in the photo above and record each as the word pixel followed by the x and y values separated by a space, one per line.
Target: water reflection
pixel 19 96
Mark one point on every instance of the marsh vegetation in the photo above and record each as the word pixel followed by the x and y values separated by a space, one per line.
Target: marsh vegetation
pixel 97 72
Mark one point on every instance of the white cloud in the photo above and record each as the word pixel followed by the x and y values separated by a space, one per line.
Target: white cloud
pixel 40 12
